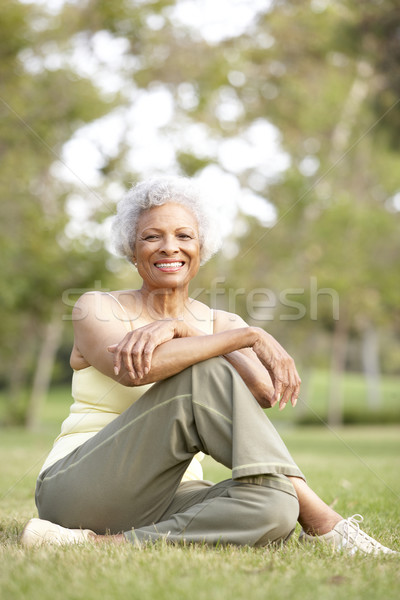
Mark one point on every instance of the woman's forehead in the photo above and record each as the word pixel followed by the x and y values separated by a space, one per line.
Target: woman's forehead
pixel 172 214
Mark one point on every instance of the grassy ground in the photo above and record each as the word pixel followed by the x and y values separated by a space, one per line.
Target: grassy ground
pixel 313 403
pixel 355 468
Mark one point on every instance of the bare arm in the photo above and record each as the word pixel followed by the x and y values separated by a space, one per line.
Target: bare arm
pixel 249 366
pixel 254 374
pixel 267 369
pixel 177 354
pixel 97 328
pixel 94 334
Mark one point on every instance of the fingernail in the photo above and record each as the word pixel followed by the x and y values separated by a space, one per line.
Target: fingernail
pixel 295 402
pixel 116 370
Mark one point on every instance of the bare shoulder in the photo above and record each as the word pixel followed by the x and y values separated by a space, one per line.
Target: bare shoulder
pixel 91 305
pixel 224 321
pixel 122 305
pixel 100 310
pixel 99 321
pixel 85 305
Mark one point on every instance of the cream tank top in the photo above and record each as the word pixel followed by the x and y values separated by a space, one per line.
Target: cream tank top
pixel 98 400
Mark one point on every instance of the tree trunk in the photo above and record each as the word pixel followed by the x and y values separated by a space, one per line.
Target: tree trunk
pixel 370 358
pixel 18 380
pixel 338 362
pixel 44 369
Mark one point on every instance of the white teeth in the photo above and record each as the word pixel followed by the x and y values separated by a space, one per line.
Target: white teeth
pixel 170 264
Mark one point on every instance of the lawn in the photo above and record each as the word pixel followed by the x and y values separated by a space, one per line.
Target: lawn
pixel 354 468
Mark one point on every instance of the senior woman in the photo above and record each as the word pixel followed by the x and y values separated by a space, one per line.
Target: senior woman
pixel 159 378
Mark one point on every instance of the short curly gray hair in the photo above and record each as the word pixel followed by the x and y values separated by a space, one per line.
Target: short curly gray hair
pixel 158 191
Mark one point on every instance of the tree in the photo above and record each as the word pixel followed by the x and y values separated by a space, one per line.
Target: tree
pixel 329 110
pixel 38 116
pixel 325 77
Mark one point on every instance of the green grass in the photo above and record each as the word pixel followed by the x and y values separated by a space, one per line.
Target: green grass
pixel 314 400
pixel 355 468
pixel 312 408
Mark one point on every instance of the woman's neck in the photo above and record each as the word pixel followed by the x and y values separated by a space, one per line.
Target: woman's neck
pixel 165 303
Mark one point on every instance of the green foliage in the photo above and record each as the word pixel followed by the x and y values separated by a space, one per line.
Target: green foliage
pixel 40 110
pixel 326 76
pixel 315 74
pixel 191 164
pixel 375 35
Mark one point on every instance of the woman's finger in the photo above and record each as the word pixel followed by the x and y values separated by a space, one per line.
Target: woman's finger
pixel 296 392
pixel 142 352
pixel 278 386
pixel 116 358
pixel 147 356
pixel 126 354
pixel 137 357
pixel 286 396
pixel 292 388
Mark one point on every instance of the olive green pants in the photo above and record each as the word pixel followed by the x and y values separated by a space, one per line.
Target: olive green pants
pixel 127 478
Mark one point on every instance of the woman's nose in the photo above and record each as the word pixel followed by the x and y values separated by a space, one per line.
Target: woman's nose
pixel 169 245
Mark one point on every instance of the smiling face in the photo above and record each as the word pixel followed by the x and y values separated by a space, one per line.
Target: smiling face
pixel 167 249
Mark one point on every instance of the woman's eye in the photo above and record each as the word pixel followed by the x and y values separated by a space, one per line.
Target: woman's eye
pixel 184 236
pixel 151 237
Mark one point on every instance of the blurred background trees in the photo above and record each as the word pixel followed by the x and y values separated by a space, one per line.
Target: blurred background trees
pixel 290 110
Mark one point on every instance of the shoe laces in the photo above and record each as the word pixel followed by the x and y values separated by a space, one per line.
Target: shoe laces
pixel 355 538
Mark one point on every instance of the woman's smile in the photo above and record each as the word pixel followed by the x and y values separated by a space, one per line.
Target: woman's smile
pixel 169 266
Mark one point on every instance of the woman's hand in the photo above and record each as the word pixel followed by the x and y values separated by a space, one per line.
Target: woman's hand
pixel 280 366
pixel 254 374
pixel 262 391
pixel 135 351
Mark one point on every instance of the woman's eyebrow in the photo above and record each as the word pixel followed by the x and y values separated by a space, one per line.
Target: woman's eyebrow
pixel 187 227
pixel 150 229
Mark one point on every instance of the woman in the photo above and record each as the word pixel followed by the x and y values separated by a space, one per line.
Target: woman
pixel 159 378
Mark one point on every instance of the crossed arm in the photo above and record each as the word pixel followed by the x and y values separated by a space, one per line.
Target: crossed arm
pixel 163 348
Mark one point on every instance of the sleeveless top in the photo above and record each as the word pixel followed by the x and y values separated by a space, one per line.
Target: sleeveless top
pixel 98 400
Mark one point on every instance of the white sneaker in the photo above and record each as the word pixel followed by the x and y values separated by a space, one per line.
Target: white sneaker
pixel 347 535
pixel 38 532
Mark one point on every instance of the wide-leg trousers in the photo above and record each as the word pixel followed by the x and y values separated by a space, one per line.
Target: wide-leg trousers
pixel 127 478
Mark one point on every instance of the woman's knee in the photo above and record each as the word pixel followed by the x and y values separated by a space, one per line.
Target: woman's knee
pixel 217 375
pixel 211 366
pixel 278 521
